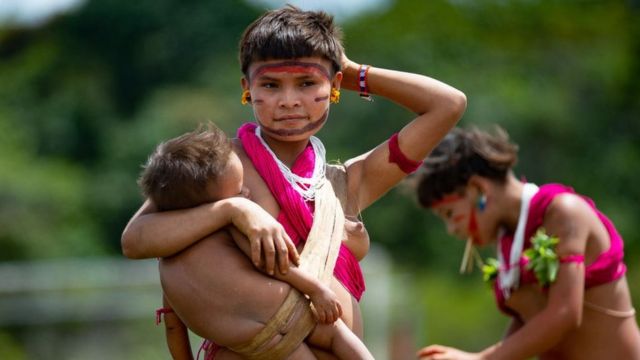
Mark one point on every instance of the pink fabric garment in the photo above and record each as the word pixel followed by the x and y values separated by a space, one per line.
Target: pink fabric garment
pixel 607 267
pixel 295 214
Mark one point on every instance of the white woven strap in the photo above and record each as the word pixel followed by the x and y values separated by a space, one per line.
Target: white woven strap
pixel 509 274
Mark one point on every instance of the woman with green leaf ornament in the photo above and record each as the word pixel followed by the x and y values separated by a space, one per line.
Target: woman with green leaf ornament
pixel 559 271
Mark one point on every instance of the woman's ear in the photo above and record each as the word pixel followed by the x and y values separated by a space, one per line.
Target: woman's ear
pixel 477 186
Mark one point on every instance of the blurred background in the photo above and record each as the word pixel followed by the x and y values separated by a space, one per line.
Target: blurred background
pixel 89 87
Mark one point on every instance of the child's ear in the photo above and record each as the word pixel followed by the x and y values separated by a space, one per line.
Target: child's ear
pixel 337 80
pixel 244 83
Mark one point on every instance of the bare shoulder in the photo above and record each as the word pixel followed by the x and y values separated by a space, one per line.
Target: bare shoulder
pixel 237 148
pixel 568 207
pixel 354 165
pixel 570 218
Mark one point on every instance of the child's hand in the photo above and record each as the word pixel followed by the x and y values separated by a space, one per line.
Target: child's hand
pixel 326 305
pixel 344 61
pixel 439 352
pixel 267 237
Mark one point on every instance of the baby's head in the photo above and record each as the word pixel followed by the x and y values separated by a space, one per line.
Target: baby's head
pixel 290 33
pixel 192 169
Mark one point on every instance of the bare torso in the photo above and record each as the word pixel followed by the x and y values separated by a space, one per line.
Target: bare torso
pixel 593 339
pixel 217 292
pixel 200 281
pixel 260 193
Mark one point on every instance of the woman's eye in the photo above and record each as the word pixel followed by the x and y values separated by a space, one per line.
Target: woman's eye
pixel 308 83
pixel 269 85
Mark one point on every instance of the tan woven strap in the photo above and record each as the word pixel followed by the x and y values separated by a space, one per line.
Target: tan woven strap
pixel 294 318
pixel 320 252
pixel 611 312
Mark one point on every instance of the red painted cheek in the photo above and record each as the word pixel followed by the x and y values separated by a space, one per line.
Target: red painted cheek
pixel 473 227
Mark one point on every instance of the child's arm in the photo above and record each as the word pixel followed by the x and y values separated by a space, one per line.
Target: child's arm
pixel 176 334
pixel 437 106
pixel 325 302
pixel 158 234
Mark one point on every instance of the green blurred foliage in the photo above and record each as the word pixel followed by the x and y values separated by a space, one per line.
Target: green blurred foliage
pixel 9 348
pixel 86 97
pixel 561 77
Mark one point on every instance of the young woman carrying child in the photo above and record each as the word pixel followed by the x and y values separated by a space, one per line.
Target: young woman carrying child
pixel 199 167
pixel 293 67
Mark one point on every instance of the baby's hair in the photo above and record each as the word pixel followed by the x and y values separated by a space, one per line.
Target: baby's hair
pixel 290 33
pixel 178 171
pixel 461 154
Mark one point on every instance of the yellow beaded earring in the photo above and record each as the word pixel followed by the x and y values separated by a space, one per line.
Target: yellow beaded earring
pixel 246 97
pixel 334 98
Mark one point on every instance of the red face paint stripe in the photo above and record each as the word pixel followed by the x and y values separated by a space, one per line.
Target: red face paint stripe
pixel 294 67
pixel 473 227
pixel 446 199
pixel 322 98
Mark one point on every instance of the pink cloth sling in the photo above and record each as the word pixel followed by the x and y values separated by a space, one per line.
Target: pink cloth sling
pixel 295 214
pixel 607 267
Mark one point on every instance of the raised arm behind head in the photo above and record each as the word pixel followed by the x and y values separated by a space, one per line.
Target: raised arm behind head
pixel 438 107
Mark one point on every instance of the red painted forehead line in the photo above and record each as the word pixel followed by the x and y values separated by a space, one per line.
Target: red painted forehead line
pixel 446 200
pixel 295 67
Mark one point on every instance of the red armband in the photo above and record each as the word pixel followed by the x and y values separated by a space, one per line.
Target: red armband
pixel 161 311
pixel 396 156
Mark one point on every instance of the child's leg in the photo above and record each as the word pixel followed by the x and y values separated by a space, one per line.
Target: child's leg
pixel 176 334
pixel 340 340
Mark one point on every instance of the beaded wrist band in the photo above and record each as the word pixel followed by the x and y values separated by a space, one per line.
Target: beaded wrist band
pixel 362 82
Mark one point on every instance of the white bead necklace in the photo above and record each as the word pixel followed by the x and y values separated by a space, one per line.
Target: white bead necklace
pixel 306 187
